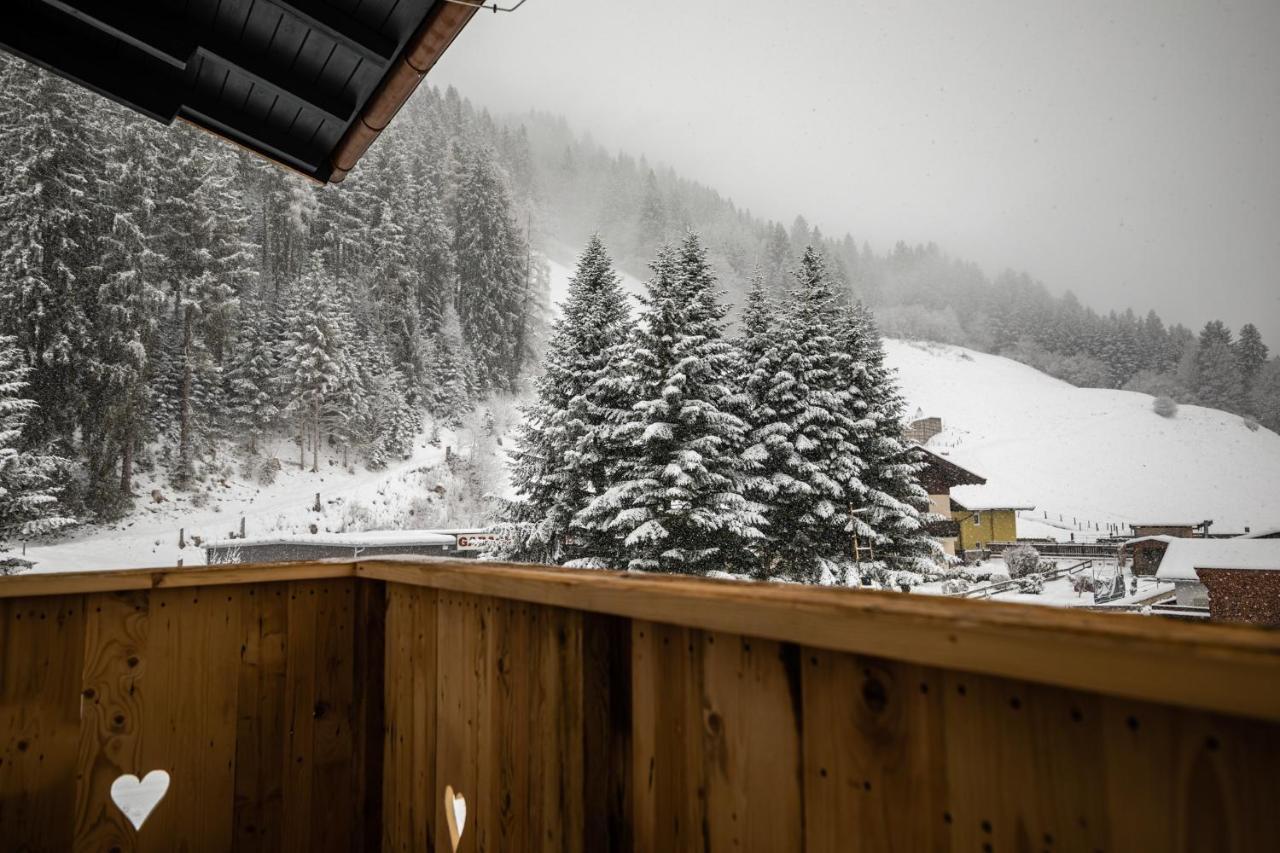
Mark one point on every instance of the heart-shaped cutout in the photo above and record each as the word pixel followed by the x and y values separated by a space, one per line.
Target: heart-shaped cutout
pixel 455 815
pixel 137 798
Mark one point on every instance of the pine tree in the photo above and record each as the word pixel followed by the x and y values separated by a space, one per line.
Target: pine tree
pixel 807 434
pixel 28 481
pixel 315 363
pixel 490 261
pixel 556 464
pixel 676 500
pixel 46 224
pixel 1218 381
pixel 253 389
pixel 1251 354
pixel 893 500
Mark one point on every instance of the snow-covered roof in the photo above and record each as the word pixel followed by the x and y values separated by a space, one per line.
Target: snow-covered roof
pixel 1269 532
pixel 363 539
pixel 1162 537
pixel 988 498
pixel 1184 556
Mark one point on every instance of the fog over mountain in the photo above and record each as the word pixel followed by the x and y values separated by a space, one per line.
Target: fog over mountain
pixel 1126 152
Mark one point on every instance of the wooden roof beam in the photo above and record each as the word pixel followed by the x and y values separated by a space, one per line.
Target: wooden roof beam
pixel 337 25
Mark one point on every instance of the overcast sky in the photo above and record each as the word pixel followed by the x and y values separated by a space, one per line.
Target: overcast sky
pixel 1129 151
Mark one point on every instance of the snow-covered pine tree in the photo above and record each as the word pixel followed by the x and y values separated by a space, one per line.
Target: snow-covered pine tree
pixel 556 464
pixel 675 502
pixel 1218 380
pixel 46 237
pixel 807 436
pixel 1251 354
pixel 491 265
pixel 315 363
pixel 29 482
pixel 893 500
pixel 123 314
pixel 253 377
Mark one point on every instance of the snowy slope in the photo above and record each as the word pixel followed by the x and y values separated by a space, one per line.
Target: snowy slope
pixel 149 536
pixel 1094 455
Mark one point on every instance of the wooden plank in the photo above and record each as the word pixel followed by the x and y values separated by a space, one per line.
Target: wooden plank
pixel 751 725
pixel 70 583
pixel 409 790
pixel 334 790
pixel 41 654
pixel 260 723
pixel 669 787
pixel 113 687
pixel 1231 669
pixel 556 738
pixel 607 761
pixel 463 669
pixel 188 726
pixel 368 722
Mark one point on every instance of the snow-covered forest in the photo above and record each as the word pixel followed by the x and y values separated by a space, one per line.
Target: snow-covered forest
pixel 166 301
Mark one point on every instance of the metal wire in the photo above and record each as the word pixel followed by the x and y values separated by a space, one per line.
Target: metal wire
pixel 481 5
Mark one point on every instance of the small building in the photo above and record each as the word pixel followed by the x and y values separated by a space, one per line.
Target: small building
pixel 288 548
pixel 981 522
pixel 1146 552
pixel 920 430
pixel 939 477
pixel 1177 529
pixel 1236 580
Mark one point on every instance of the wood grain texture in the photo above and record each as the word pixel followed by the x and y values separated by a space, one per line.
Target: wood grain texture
pixel 1227 668
pixel 41 649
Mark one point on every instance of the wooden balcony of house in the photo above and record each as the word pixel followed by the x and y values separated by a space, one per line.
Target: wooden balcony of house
pixel 338 705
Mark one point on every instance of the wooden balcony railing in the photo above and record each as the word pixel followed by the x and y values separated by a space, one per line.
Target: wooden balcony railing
pixel 327 706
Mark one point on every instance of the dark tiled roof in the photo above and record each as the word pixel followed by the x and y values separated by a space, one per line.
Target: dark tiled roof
pixel 307 83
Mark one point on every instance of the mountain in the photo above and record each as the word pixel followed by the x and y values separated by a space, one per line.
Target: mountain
pixel 1094 455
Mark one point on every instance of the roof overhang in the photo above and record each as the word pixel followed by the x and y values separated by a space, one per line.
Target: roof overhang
pixel 301 82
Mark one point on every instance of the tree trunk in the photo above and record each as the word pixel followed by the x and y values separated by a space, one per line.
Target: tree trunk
pixel 184 411
pixel 126 468
pixel 315 440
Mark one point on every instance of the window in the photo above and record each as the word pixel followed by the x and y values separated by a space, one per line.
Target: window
pixel 977 519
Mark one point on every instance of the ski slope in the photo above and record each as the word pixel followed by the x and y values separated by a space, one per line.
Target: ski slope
pixel 1093 455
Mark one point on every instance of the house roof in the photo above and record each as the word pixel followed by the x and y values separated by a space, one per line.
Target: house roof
pixel 989 506
pixel 946 471
pixel 1184 556
pixel 1265 533
pixel 1163 537
pixel 303 82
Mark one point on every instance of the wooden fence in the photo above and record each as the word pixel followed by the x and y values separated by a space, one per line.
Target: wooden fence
pixel 328 706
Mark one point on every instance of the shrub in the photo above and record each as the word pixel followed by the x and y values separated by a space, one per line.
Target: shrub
pixel 1251 424
pixel 954 587
pixel 1032 584
pixel 1165 407
pixel 268 470
pixel 1082 584
pixel 1022 560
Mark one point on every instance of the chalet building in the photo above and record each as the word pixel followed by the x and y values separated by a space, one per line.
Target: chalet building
pixel 1146 552
pixel 939 477
pixel 981 523
pixel 1235 580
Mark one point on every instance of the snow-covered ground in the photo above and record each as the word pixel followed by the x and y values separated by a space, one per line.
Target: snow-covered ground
pixel 1086 454
pixel 149 537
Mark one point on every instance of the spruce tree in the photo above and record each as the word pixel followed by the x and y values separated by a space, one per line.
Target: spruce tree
pixel 807 436
pixel 892 498
pixel 676 499
pixel 29 482
pixel 1218 380
pixel 1251 354
pixel 556 464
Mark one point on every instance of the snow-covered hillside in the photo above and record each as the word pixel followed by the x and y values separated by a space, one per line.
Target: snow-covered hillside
pixel 1094 455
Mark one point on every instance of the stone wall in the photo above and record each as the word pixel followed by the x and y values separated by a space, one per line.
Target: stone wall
pixel 1238 595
